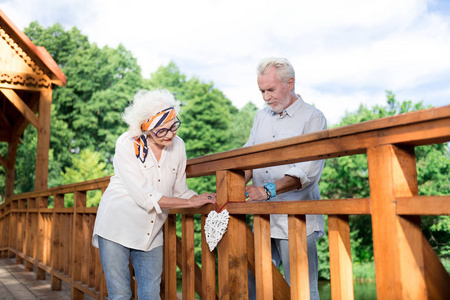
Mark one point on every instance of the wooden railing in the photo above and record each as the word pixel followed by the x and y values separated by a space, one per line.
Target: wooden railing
pixel 57 240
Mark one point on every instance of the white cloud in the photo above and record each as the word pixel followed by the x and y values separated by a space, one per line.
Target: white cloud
pixel 344 52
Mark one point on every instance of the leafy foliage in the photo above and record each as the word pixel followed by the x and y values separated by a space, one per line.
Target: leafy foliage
pixel 347 177
pixel 86 113
pixel 206 115
pixel 86 121
pixel 87 165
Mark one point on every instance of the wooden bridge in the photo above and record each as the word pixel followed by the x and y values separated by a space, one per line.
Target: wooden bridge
pixel 57 241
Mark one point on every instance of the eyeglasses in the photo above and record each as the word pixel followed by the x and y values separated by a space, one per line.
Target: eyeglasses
pixel 164 131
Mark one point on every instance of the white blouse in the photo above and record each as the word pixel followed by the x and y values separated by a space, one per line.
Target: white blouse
pixel 129 213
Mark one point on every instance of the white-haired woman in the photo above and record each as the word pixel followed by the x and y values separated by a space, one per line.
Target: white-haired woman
pixel 149 179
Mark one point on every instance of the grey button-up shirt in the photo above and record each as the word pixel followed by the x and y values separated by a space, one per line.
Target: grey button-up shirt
pixel 298 119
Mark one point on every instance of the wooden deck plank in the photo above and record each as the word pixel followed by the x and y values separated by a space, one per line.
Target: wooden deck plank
pixel 17 283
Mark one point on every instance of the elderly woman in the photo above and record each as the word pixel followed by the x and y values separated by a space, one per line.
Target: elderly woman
pixel 150 178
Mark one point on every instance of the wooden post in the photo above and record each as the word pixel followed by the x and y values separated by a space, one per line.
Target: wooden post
pixel 40 237
pixel 298 256
pixel 232 249
pixel 397 241
pixel 340 257
pixel 21 230
pixel 11 167
pixel 263 257
pixel 208 268
pixel 58 202
pixel 31 232
pixel 170 258
pixel 77 243
pixel 436 275
pixel 188 260
pixel 43 141
pixel 12 231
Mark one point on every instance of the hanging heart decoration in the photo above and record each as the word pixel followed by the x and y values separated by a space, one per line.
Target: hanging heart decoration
pixel 215 227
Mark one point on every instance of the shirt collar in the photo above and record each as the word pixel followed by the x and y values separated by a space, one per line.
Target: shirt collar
pixel 293 107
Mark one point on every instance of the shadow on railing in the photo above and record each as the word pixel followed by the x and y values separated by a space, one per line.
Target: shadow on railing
pixel 58 240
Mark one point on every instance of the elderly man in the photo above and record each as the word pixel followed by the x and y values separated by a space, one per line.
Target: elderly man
pixel 286 115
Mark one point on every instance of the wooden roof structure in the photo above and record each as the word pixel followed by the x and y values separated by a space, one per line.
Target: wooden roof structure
pixel 28 75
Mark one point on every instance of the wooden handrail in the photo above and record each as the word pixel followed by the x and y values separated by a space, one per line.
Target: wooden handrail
pixel 57 240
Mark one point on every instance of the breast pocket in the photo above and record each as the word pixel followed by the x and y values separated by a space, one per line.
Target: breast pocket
pixel 148 170
pixel 171 175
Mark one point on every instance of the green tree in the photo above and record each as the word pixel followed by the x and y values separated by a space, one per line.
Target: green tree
pixel 87 165
pixel 86 113
pixel 347 177
pixel 240 126
pixel 100 84
pixel 205 115
pixel 59 43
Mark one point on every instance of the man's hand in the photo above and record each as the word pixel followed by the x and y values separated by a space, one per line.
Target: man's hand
pixel 255 193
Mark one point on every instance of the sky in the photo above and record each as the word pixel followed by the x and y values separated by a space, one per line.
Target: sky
pixel 345 53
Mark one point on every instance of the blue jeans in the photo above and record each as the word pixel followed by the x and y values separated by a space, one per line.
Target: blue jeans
pixel 147 267
pixel 280 254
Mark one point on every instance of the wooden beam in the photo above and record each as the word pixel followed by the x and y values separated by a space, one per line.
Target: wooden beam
pixel 188 259
pixel 27 80
pixel 20 87
pixel 76 260
pixel 21 106
pixel 340 257
pixel 11 167
pixel 397 246
pixel 298 257
pixel 263 257
pixel 170 258
pixel 232 249
pixel 43 141
pixel 320 207
pixel 198 271
pixel 281 290
pixel 415 128
pixel 436 276
pixel 22 123
pixel 423 205
pixel 208 268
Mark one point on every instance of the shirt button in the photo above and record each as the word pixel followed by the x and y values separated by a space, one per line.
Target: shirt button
pixel 159 166
pixel 151 195
pixel 148 233
pixel 151 222
pixel 267 172
pixel 273 136
pixel 159 180
pixel 145 166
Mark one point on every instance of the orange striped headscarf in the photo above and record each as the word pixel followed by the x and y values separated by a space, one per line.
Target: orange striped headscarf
pixel 160 118
pixel 140 143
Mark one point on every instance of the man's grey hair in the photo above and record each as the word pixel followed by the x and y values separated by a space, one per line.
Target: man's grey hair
pixel 284 68
pixel 146 104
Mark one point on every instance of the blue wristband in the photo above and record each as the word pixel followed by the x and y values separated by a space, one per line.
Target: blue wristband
pixel 270 190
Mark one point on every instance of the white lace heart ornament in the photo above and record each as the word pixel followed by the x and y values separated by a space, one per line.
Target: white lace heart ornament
pixel 215 227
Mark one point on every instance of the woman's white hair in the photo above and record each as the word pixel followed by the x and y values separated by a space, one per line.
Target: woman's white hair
pixel 284 68
pixel 146 104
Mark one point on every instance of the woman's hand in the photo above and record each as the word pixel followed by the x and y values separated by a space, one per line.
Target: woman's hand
pixel 205 198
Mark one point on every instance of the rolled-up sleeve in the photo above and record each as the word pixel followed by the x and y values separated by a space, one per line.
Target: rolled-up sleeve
pixel 309 172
